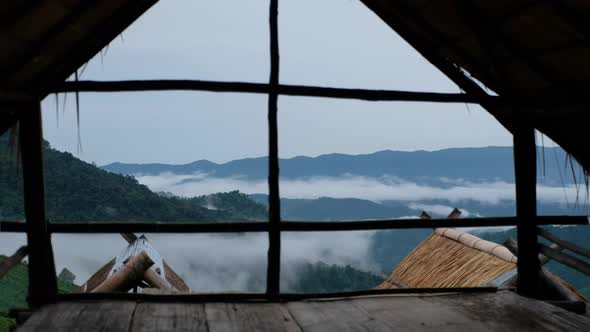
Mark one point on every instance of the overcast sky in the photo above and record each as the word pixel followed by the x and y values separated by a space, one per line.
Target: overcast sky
pixel 329 42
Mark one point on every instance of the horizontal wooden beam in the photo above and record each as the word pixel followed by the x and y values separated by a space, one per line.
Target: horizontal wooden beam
pixel 564 244
pixel 285 226
pixel 318 226
pixel 257 297
pixel 265 88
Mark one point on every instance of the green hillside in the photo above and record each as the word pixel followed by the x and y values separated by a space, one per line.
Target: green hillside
pixel 324 278
pixel 13 291
pixel 79 191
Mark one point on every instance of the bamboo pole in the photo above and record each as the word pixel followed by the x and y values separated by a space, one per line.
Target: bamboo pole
pixel 156 281
pixel 558 287
pixel 571 261
pixel 513 247
pixel 264 88
pixel 565 244
pixel 128 276
pixel 274 202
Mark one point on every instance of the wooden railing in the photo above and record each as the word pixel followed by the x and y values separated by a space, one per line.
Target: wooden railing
pixel 575 263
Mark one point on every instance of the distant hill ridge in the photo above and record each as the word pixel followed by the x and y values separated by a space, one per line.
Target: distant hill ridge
pixel 473 164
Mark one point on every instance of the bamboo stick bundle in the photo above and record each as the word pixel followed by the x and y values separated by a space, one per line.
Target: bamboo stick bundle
pixel 128 276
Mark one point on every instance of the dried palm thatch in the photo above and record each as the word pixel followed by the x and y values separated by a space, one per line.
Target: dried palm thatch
pixel 451 258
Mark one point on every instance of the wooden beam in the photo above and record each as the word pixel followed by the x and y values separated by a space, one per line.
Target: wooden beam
pixel 156 281
pixel 257 297
pixel 511 245
pixel 42 279
pixel 569 260
pixel 128 276
pixel 564 244
pixel 296 226
pixel 273 275
pixel 556 286
pixel 129 237
pixel 13 260
pixel 264 88
pixel 525 172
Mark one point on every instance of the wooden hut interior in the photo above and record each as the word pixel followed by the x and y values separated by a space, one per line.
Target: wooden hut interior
pixel 525 62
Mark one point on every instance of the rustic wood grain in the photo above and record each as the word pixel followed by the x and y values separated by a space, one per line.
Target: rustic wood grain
pixel 82 316
pixel 249 317
pixel 342 315
pixel 507 311
pixel 169 317
pixel 500 311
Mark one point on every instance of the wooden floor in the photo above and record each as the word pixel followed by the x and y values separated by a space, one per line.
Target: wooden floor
pixel 500 311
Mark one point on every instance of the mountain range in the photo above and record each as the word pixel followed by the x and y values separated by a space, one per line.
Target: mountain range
pixel 469 164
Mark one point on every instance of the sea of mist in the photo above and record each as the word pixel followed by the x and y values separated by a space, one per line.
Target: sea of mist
pixel 237 262
pixel 211 262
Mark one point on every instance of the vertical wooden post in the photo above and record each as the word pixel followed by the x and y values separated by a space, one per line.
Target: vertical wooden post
pixel 274 208
pixel 42 279
pixel 525 171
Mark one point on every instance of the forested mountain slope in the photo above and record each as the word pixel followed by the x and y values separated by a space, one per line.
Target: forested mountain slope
pixel 79 191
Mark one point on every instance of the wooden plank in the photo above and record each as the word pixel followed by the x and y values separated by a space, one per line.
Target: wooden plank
pixel 82 316
pixel 500 311
pixel 157 316
pixel 507 311
pixel 249 317
pixel 340 315
pixel 42 279
pixel 525 173
pixel 416 314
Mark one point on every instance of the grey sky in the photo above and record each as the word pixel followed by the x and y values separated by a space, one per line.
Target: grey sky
pixel 329 42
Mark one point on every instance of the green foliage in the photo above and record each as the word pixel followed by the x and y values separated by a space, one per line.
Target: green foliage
pixel 6 324
pixel 14 285
pixel 323 278
pixel 79 191
pixel 235 204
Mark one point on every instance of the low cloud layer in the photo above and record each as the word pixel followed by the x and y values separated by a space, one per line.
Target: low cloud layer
pixel 211 262
pixel 375 189
pixel 218 262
